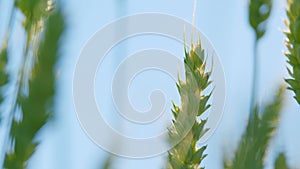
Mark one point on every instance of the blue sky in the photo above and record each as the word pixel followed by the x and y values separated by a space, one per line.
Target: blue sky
pixel 225 23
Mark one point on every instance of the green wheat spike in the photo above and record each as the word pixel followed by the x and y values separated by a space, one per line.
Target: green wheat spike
pixel 186 155
pixel 293 46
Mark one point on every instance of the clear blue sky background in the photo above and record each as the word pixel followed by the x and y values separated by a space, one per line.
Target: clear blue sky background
pixel 225 23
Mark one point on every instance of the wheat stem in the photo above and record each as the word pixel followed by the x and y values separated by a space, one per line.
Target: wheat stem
pixel 255 78
pixel 257 20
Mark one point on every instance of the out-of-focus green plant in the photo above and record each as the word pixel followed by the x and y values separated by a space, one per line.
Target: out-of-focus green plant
pixel 4 75
pixel 259 12
pixel 252 148
pixel 108 163
pixel 36 108
pixel 293 46
pixel 3 72
pixel 186 155
pixel 280 162
pixel 34 89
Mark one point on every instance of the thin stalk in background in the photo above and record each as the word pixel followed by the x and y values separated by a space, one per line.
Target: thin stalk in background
pixel 120 11
pixel 259 12
pixel 108 163
pixel 255 78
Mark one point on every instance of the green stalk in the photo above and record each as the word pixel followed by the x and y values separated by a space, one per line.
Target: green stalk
pixel 259 12
pixel 255 78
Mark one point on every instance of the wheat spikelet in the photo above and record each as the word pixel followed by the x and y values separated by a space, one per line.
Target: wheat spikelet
pixel 293 46
pixel 186 154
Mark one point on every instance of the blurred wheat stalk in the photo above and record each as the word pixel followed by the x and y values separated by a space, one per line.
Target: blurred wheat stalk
pixel 253 147
pixel 34 88
pixel 259 12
